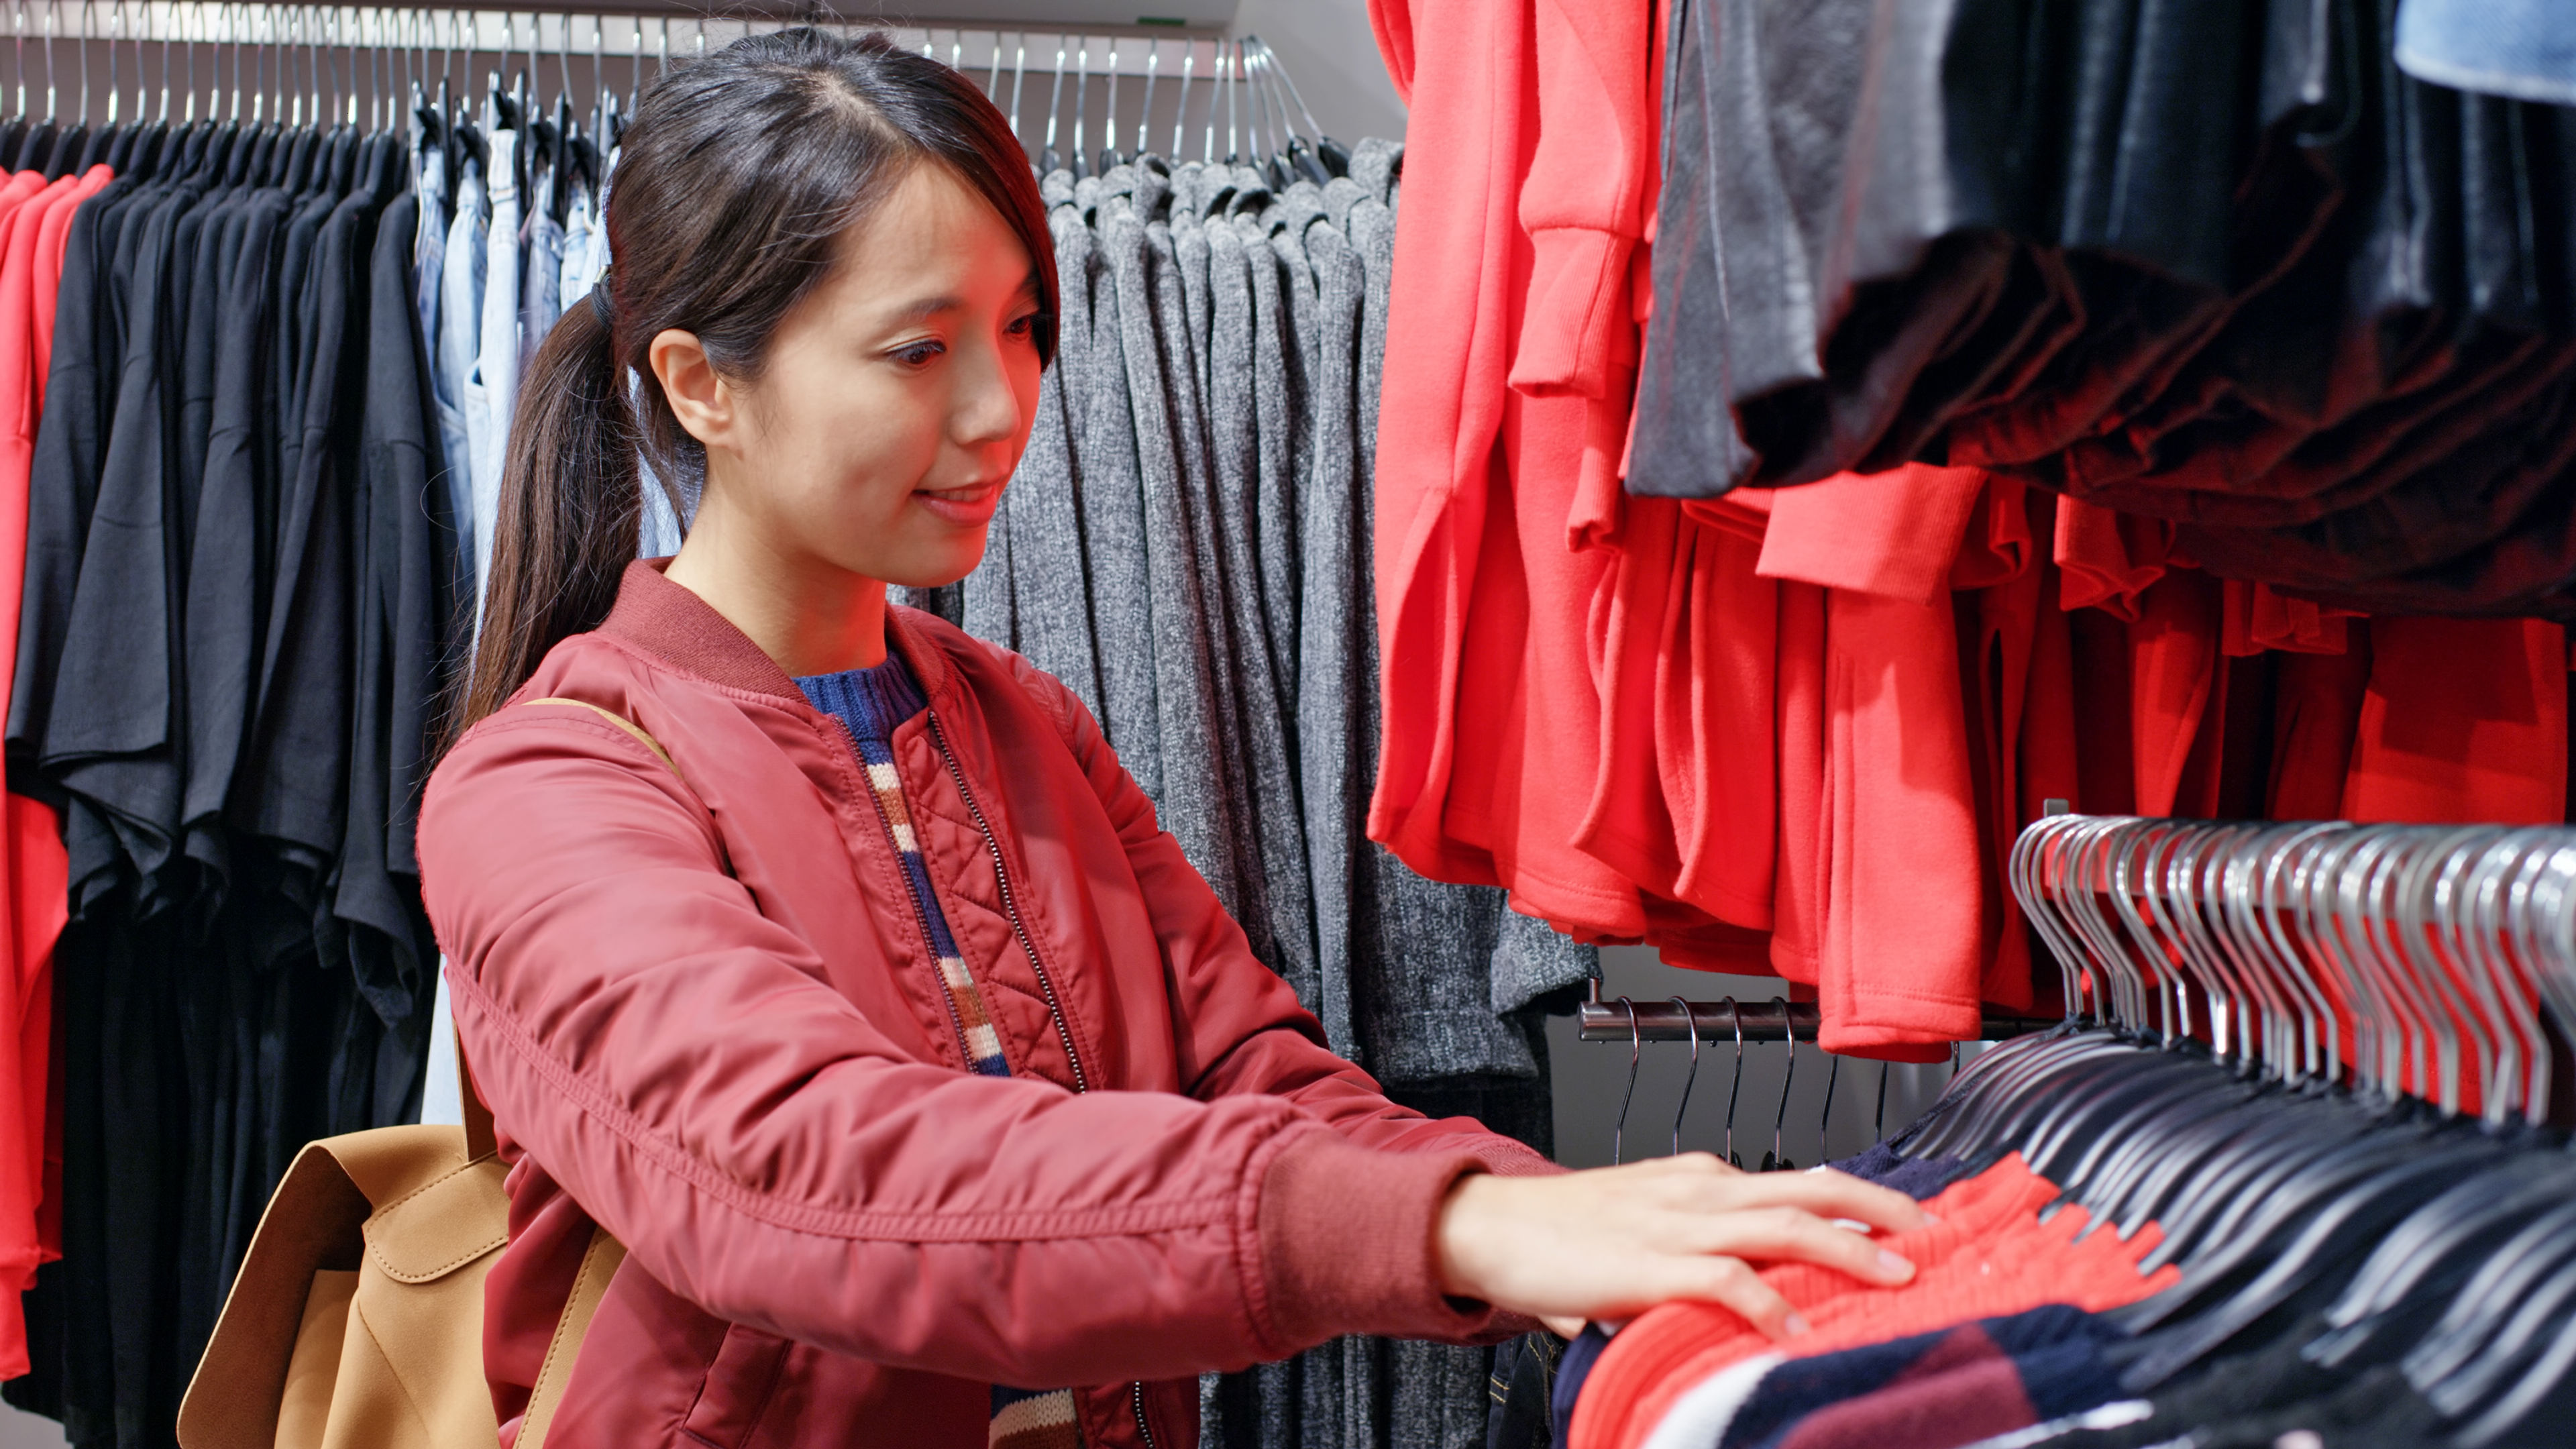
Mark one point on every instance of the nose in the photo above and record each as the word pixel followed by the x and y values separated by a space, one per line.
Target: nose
pixel 986 406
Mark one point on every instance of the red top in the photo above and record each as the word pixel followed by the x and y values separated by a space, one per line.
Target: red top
pixel 1988 1255
pixel 34 872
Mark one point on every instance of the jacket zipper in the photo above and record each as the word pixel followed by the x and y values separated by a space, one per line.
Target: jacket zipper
pixel 1055 1008
pixel 1137 1397
pixel 1010 906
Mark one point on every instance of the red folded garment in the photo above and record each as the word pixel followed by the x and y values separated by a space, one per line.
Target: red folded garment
pixel 1988 1256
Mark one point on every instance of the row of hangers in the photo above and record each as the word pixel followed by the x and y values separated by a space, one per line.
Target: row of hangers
pixel 309 63
pixel 2318 1056
pixel 1778 1019
pixel 1262 105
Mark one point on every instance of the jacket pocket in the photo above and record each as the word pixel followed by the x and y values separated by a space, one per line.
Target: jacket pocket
pixel 737 1388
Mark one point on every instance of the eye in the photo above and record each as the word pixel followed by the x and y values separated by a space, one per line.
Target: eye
pixel 1023 326
pixel 920 354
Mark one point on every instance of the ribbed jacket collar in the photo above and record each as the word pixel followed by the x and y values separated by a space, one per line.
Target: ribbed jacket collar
pixel 667 621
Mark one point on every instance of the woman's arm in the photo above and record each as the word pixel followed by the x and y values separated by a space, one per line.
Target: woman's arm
pixel 678 1063
pixel 1239 1027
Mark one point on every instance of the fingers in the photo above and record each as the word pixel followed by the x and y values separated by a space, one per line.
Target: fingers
pixel 1779 1235
pixel 1731 1283
pixel 1826 1194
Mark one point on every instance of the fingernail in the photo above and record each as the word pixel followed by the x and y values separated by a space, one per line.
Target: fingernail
pixel 1796 1325
pixel 1894 1266
pixel 1931 1218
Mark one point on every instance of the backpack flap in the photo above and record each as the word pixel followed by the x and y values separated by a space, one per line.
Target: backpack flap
pixel 442 1226
pixel 314 1222
pixel 400 1226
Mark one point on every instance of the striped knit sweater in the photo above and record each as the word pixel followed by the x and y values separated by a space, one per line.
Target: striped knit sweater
pixel 869 703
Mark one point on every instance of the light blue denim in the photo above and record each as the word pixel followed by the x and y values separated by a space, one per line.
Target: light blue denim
pixel 2525 49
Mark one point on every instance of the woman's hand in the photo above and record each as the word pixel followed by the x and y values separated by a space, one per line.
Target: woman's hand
pixel 1616 1241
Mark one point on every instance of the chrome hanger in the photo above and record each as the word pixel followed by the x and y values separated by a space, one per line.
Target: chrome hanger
pixel 1233 90
pixel 1109 116
pixel 1049 158
pixel 1777 1160
pixel 1081 104
pixel 1735 1091
pixel 1145 115
pixel 1019 72
pixel 1216 64
pixel 1688 1082
pixel 1636 1050
pixel 1181 112
pixel 1825 1118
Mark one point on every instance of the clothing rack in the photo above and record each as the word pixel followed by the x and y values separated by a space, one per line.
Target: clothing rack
pixel 1624 1019
pixel 1083 89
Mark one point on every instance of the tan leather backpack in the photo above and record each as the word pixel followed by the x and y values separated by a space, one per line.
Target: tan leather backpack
pixel 356 1321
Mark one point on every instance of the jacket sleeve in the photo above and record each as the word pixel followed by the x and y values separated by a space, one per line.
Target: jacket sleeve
pixel 680 1066
pixel 1242 1033
pixel 1240 1026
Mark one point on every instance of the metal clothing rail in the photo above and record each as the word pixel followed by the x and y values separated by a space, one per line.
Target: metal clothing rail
pixel 1061 85
pixel 1721 1021
pixel 207 19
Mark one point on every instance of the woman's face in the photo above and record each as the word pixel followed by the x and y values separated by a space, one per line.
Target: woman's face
pixel 896 398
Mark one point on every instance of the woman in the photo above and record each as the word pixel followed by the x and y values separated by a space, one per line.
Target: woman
pixel 826 957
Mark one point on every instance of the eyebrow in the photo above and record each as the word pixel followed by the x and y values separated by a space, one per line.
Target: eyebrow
pixel 928 307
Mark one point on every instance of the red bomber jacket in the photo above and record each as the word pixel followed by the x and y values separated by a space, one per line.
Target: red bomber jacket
pixel 705 1016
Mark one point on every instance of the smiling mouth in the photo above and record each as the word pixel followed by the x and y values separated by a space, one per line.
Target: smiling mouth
pixel 962 507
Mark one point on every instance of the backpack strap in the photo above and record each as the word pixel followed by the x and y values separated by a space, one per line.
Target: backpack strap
pixel 622 722
pixel 598 1265
pixel 599 1262
pixel 479 1138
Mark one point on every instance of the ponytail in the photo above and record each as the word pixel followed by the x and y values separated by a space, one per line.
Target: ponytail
pixel 570 511
pixel 735 179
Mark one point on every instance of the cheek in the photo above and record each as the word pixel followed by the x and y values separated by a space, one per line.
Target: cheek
pixel 855 441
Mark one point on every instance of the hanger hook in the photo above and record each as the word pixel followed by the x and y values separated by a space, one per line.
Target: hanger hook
pixel 1690 1023
pixel 1181 112
pixel 1788 1080
pixel 1271 58
pixel 1055 95
pixel 1081 103
pixel 1619 1133
pixel 1019 73
pixel 1825 1118
pixel 1735 1018
pixel 1109 114
pixel 1145 115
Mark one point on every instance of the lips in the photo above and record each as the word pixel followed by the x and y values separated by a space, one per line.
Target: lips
pixel 962 506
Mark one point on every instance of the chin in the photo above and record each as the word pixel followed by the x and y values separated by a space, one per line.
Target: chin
pixel 934 566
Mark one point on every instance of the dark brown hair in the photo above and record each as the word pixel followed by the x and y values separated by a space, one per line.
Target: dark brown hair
pixel 737 175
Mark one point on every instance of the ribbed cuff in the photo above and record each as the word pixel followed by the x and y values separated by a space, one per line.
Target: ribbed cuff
pixel 1347 1243
pixel 1577 305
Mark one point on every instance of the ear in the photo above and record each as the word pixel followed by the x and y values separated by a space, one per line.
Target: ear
pixel 699 396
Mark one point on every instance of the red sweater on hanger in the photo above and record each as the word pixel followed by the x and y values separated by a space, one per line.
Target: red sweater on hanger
pixel 34 873
pixel 1528 149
